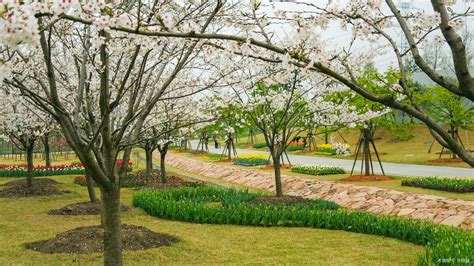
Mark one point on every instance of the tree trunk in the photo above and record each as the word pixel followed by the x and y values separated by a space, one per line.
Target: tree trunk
pixel 455 137
pixel 90 188
pixel 366 136
pixel 29 159
pixel 112 225
pixel 149 161
pixel 47 153
pixel 277 170
pixel 163 153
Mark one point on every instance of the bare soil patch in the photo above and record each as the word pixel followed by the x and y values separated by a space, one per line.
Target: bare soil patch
pixel 85 240
pixel 365 178
pixel 273 200
pixel 40 187
pixel 83 208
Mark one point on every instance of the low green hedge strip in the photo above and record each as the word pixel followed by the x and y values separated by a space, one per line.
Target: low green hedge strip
pixel 259 145
pixel 445 245
pixel 461 185
pixel 295 148
pixel 317 169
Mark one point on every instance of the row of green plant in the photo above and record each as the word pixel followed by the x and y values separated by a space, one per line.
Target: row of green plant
pixel 317 169
pixel 461 185
pixel 295 148
pixel 444 245
pixel 259 145
pixel 251 159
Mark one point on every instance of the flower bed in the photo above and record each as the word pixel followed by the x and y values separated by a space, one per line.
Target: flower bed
pixel 197 152
pixel 41 170
pixel 251 159
pixel 216 206
pixel 133 181
pixel 460 185
pixel 326 149
pixel 295 148
pixel 317 169
pixel 259 145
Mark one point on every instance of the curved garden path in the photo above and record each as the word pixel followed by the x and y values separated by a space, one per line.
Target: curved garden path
pixel 396 169
pixel 459 213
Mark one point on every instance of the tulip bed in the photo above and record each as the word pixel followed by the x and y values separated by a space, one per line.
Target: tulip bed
pixel 39 170
pixel 317 169
pixel 259 145
pixel 133 181
pixel 460 185
pixel 326 149
pixel 295 148
pixel 217 206
pixel 251 159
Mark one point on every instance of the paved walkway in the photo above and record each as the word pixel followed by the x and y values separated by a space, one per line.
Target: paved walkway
pixel 397 169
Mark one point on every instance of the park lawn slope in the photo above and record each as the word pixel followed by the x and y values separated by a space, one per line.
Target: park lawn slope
pixel 25 220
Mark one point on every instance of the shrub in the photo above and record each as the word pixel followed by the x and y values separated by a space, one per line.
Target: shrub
pixel 317 169
pixel 295 148
pixel 259 145
pixel 133 181
pixel 192 205
pixel 40 170
pixel 215 156
pixel 251 159
pixel 461 185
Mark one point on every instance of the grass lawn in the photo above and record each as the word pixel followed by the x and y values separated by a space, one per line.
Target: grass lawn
pixel 413 151
pixel 390 184
pixel 25 220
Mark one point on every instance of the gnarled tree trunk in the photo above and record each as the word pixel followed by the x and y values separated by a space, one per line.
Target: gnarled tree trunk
pixel 29 160
pixel 111 223
pixel 277 172
pixel 149 160
pixel 47 153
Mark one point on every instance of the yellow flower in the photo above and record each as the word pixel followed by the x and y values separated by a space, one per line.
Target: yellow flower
pixel 252 155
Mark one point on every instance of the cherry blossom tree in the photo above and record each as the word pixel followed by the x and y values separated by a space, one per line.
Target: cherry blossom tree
pixel 98 84
pixel 22 124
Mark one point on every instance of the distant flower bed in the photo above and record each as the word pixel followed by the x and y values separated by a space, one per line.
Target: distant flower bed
pixel 317 169
pixel 259 145
pixel 251 159
pixel 295 148
pixel 460 185
pixel 41 170
pixel 133 181
pixel 333 149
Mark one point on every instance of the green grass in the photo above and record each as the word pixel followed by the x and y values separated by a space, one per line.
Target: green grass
pixel 25 220
pixel 413 151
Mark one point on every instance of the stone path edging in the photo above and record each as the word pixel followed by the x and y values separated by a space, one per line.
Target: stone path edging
pixel 441 210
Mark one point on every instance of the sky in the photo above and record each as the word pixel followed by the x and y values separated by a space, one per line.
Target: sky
pixel 336 36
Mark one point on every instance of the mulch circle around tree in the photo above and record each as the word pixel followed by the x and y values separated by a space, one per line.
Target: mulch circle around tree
pixel 86 240
pixel 83 208
pixel 365 178
pixel 40 187
pixel 273 200
pixel 447 160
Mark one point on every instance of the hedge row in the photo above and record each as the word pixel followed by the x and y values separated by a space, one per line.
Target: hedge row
pixel 259 145
pixel 444 244
pixel 295 148
pixel 317 169
pixel 461 185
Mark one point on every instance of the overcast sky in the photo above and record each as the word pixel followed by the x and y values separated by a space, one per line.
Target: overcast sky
pixel 336 36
